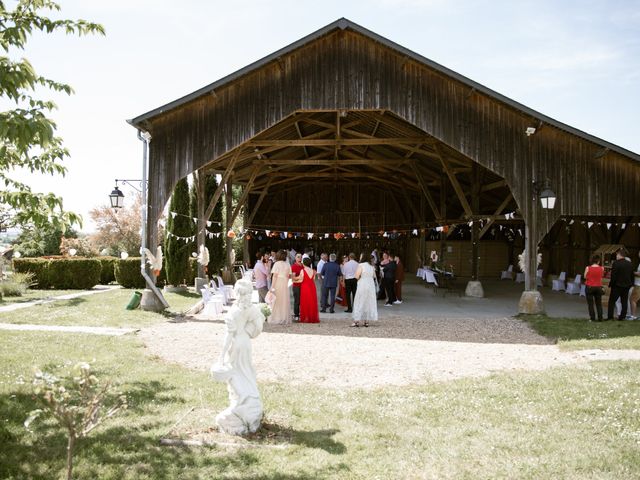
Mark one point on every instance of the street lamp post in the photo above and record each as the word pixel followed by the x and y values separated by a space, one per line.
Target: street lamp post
pixel 531 299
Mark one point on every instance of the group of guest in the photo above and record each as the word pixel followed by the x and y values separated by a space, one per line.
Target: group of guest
pixel 623 278
pixel 352 282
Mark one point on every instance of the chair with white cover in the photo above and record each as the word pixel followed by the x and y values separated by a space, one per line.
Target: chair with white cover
pixel 213 303
pixel 507 274
pixel 227 288
pixel 583 290
pixel 539 277
pixel 573 288
pixel 219 291
pixel 520 277
pixel 559 283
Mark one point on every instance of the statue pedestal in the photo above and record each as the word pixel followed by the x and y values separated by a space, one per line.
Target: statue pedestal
pixel 150 302
pixel 199 283
pixel 531 303
pixel 474 289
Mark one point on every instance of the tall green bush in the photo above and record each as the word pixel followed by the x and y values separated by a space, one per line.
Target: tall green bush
pixel 127 273
pixel 177 251
pixel 39 267
pixel 216 244
pixel 61 273
pixel 107 274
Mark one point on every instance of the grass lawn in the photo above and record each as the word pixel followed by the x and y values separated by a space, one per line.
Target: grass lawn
pixel 31 295
pixel 575 334
pixel 99 310
pixel 570 422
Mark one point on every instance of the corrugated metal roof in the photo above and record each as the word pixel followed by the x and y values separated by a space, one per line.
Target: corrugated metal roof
pixel 345 24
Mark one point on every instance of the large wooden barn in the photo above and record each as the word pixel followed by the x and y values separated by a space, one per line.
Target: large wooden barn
pixel 354 139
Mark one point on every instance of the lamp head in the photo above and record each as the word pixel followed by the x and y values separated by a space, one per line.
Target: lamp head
pixel 116 197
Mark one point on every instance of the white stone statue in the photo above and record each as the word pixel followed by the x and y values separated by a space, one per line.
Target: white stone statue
pixel 244 322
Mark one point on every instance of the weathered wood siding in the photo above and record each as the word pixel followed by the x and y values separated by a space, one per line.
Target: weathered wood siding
pixel 346 69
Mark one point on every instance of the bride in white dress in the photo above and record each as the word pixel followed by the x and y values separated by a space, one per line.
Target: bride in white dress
pixel 365 305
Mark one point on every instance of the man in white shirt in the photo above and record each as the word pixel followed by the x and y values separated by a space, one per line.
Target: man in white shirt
pixel 261 272
pixel 323 260
pixel 350 281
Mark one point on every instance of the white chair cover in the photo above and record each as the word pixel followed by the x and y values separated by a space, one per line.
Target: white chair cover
pixel 520 277
pixel 558 284
pixel 573 288
pixel 507 274
pixel 213 303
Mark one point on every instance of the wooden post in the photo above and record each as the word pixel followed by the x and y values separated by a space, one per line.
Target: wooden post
pixel 200 183
pixel 443 213
pixel 229 222
pixel 475 209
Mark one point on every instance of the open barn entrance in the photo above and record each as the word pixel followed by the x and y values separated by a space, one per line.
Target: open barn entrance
pixel 352 180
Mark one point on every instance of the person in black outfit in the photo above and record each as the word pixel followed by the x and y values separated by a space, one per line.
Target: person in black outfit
pixel 388 267
pixel 621 282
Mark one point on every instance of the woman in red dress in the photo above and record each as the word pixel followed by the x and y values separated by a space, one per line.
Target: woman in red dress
pixel 308 295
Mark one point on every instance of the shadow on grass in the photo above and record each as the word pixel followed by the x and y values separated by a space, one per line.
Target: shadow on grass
pixel 581 329
pixel 132 450
pixel 321 439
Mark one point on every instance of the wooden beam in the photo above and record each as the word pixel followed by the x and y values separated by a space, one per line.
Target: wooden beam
pixel 455 183
pixel 498 211
pixel 336 142
pixel 425 191
pixel 245 193
pixel 412 206
pixel 493 185
pixel 262 196
pixel 397 205
pixel 225 177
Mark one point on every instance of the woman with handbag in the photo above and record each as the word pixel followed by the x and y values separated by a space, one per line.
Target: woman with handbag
pixel 593 281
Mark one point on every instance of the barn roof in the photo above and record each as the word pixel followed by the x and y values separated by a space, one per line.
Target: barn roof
pixel 345 24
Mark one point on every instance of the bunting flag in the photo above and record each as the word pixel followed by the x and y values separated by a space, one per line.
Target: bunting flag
pixel 608 226
pixel 589 224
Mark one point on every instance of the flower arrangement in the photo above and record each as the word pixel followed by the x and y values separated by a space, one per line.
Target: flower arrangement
pixel 265 310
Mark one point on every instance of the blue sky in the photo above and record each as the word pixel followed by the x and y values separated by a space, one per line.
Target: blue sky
pixel 575 61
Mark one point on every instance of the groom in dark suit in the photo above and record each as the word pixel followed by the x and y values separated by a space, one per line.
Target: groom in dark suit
pixel 330 273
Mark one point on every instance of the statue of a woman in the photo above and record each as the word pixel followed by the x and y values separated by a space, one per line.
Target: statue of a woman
pixel 244 322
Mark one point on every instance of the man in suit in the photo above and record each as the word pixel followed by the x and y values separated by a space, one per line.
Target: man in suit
pixel 620 283
pixel 330 273
pixel 388 266
pixel 350 281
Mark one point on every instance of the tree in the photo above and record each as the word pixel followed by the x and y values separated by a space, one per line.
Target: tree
pixel 215 244
pixel 27 135
pixel 45 240
pixel 179 227
pixel 118 230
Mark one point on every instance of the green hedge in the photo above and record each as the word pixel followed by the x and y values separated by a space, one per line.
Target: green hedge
pixel 38 266
pixel 61 273
pixel 108 272
pixel 127 273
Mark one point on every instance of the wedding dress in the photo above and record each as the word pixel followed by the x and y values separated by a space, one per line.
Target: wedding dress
pixel 365 305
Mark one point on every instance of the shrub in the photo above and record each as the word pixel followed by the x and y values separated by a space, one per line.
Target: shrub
pixel 39 267
pixel 127 273
pixel 16 284
pixel 74 273
pixel 79 402
pixel 108 272
pixel 61 273
pixel 179 226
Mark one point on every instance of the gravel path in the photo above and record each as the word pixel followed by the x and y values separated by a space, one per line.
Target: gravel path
pixel 394 351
